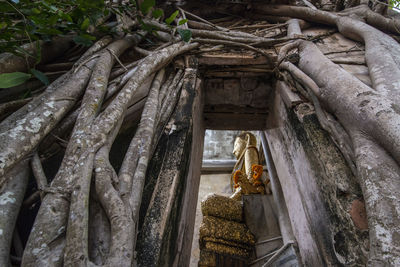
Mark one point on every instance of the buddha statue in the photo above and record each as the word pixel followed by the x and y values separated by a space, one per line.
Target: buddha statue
pixel 223 231
pixel 246 175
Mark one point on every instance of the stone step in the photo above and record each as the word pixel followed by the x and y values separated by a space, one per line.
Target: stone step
pixel 285 257
pixel 261 216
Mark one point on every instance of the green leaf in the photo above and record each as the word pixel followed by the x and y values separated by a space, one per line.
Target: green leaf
pixel 394 4
pixel 52 20
pixel 146 5
pixel 40 76
pixel 50 31
pixel 50 7
pixel 53 8
pixel 8 80
pixel 66 17
pixel 88 36
pixel 83 40
pixel 38 53
pixel 186 35
pixel 157 13
pixel 182 21
pixel 24 52
pixel 6 7
pixel 85 24
pixel 172 17
pixel 35 11
pixel 3 25
pixel 147 27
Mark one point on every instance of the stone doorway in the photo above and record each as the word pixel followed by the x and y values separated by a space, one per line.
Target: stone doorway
pixel 260 211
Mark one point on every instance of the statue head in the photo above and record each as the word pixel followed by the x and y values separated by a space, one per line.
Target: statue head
pixel 243 140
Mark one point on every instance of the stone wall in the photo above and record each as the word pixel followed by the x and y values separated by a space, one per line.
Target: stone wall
pixel 219 144
pixel 318 187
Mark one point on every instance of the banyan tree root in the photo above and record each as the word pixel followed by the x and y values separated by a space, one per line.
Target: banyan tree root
pixel 77 237
pixel 121 247
pixel 163 198
pixel 141 138
pixel 372 140
pixel 10 202
pixel 87 105
pixel 74 176
pixel 134 166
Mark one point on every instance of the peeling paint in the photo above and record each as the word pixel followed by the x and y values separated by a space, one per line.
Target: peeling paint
pixel 372 190
pixel 98 84
pixel 173 128
pixel 7 198
pixel 16 132
pixel 385 236
pixel 61 230
pixel 36 251
pixel 36 124
pixel 50 104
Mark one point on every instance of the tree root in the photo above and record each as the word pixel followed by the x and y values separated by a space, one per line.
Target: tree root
pixel 49 51
pixel 87 106
pixel 167 107
pixel 334 128
pixel 79 159
pixel 121 248
pixel 11 197
pixel 38 172
pixel 364 139
pixel 32 128
pixel 360 99
pixel 7 108
pixel 379 177
pixel 237 44
pixel 77 164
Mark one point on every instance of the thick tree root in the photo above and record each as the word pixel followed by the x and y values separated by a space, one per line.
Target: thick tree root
pixel 75 173
pixel 379 177
pixel 347 97
pixel 11 198
pixel 89 215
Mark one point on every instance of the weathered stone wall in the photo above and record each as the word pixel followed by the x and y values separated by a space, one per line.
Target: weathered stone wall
pixel 170 192
pixel 319 188
pixel 218 144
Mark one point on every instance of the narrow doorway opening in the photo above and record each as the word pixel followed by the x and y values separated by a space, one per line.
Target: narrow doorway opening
pixel 217 165
pixel 259 229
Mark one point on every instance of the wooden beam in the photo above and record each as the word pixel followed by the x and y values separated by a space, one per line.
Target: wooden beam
pixel 226 108
pixel 222 73
pixel 217 166
pixel 166 209
pixel 235 121
pixel 235 59
pixel 192 183
pixel 290 98
pixel 241 92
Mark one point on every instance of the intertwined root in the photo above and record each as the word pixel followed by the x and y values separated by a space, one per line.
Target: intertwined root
pixel 99 97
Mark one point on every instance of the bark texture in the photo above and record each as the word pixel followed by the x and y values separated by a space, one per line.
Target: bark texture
pixel 335 106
